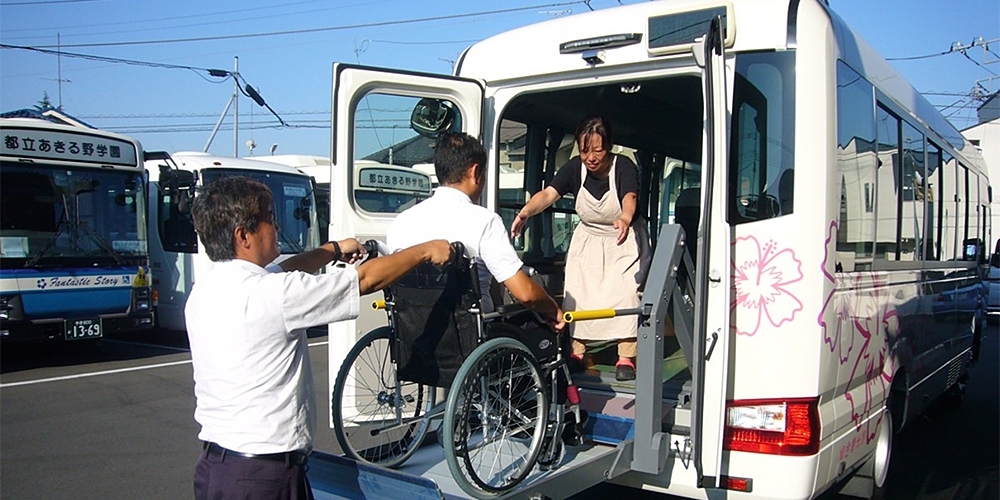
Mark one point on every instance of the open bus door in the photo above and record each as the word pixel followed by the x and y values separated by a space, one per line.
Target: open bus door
pixel 442 103
pixel 370 111
pixel 702 332
pixel 710 357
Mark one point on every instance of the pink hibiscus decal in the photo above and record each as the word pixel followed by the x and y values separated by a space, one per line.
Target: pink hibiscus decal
pixel 761 276
pixel 857 320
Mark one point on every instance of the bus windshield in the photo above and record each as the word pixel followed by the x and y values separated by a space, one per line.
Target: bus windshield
pixel 293 204
pixel 57 213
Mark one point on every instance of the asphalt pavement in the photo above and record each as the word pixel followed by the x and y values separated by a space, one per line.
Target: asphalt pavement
pixel 114 419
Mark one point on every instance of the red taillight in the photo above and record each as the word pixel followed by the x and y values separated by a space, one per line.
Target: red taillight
pixel 737 484
pixel 773 426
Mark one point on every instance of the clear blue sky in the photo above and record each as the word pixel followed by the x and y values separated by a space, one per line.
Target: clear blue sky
pixel 174 109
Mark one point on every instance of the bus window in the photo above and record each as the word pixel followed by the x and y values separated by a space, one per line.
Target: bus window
pixel 913 193
pixel 949 207
pixel 932 209
pixel 887 198
pixel 856 167
pixel 762 144
pixel 386 148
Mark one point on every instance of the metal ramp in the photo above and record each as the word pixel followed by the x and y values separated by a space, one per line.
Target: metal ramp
pixel 616 444
pixel 425 476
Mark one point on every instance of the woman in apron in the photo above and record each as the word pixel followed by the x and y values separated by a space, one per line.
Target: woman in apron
pixel 603 256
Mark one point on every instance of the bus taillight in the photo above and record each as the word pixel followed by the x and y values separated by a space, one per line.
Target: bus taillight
pixel 773 426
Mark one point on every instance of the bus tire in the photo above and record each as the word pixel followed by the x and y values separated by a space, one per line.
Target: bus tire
pixel 869 481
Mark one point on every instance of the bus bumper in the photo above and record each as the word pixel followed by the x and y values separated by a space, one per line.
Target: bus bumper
pixel 55 329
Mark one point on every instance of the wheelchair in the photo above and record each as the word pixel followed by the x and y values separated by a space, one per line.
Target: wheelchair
pixel 510 404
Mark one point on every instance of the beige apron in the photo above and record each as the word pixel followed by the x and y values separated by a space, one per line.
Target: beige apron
pixel 600 273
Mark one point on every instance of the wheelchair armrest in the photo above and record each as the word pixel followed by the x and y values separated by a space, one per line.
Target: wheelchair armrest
pixel 510 309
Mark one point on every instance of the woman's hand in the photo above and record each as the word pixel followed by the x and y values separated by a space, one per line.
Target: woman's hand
pixel 519 220
pixel 622 225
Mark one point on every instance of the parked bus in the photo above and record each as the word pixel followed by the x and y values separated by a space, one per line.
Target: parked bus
pixel 377 191
pixel 175 252
pixel 836 223
pixel 73 255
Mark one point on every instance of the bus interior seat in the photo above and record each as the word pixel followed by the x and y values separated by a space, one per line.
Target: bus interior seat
pixel 687 212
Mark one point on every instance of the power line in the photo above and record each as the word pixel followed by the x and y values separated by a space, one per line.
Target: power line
pixel 919 57
pixel 117 60
pixel 44 2
pixel 318 30
pixel 160 19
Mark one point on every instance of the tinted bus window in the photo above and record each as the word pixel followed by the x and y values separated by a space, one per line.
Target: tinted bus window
pixel 856 162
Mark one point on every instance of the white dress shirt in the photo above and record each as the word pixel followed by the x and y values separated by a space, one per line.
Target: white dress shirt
pixel 247 330
pixel 450 215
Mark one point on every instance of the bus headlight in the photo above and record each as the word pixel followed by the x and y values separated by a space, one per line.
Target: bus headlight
pixel 10 307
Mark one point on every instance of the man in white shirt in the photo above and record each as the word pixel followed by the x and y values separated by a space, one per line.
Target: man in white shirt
pixel 246 323
pixel 452 213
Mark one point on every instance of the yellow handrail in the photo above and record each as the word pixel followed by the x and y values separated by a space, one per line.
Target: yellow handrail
pixel 571 316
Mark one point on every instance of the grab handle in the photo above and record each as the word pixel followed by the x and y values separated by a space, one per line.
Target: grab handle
pixel 571 316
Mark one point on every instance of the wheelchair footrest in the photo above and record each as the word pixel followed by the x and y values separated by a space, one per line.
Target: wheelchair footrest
pixel 609 429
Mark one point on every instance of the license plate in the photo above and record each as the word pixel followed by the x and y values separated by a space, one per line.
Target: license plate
pixel 89 328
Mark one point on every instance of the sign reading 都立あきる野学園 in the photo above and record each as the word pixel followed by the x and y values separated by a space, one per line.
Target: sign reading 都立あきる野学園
pixel 67 146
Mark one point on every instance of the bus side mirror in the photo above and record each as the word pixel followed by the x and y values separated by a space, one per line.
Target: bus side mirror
pixel 431 117
pixel 972 249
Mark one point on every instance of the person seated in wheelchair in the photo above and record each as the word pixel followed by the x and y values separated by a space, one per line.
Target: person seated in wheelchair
pixel 453 214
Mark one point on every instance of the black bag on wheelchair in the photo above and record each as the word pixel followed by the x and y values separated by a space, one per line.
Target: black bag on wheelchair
pixel 435 316
pixel 524 327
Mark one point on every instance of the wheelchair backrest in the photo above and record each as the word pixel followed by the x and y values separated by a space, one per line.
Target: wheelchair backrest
pixel 435 315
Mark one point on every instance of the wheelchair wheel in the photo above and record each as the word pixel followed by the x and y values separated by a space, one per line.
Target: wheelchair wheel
pixel 495 419
pixel 373 422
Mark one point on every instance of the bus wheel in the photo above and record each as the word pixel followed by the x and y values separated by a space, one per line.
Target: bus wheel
pixel 883 452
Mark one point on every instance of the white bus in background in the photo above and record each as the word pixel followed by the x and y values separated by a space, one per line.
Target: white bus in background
pixel 176 255
pixel 837 223
pixel 379 192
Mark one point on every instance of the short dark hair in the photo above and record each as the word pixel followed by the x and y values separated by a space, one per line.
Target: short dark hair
pixel 454 153
pixel 225 204
pixel 595 124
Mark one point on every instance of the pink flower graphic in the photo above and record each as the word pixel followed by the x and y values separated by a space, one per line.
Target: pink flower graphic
pixel 863 319
pixel 761 276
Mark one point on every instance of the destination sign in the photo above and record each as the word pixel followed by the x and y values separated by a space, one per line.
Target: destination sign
pixel 398 180
pixel 67 146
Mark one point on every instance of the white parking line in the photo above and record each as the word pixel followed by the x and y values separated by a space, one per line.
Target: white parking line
pixel 111 372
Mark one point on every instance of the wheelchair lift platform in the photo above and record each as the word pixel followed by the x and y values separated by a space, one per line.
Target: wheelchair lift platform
pixel 425 476
pixel 640 427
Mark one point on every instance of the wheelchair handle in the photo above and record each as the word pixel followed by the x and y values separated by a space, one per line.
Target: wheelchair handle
pixel 378 304
pixel 459 252
pixel 571 316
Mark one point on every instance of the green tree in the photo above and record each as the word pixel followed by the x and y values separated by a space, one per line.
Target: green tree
pixel 45 103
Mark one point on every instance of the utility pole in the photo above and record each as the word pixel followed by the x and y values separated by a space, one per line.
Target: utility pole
pixel 236 107
pixel 234 100
pixel 59 66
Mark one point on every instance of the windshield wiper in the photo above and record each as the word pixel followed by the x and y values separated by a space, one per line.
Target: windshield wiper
pixel 63 222
pixel 284 238
pixel 92 234
pixel 101 242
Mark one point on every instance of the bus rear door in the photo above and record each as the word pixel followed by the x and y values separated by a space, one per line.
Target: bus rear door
pixel 388 117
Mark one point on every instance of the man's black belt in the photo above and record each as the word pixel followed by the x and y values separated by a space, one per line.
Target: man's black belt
pixel 292 457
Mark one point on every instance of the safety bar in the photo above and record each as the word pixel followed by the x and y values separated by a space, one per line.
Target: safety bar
pixel 571 316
